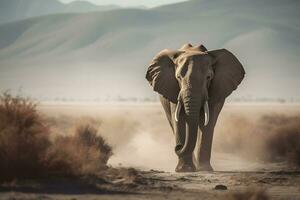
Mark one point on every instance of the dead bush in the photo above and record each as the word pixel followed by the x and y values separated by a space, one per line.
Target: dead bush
pixel 83 153
pixel 23 138
pixel 26 150
pixel 284 139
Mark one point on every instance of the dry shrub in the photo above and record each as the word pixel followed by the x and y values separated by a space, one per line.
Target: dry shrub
pixel 23 138
pixel 84 153
pixel 26 150
pixel 251 194
pixel 272 138
pixel 284 138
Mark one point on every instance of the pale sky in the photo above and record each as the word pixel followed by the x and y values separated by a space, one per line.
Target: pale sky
pixel 126 3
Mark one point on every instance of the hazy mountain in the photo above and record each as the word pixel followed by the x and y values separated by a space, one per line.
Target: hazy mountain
pixel 99 54
pixel 11 10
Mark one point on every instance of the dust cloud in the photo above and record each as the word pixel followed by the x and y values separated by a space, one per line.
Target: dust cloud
pixel 246 137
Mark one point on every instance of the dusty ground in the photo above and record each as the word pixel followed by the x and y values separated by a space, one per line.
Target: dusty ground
pixel 142 139
pixel 169 185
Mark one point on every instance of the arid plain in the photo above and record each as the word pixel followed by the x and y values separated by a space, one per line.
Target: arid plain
pixel 255 152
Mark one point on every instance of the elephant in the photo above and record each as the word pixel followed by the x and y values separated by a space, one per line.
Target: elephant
pixel 193 84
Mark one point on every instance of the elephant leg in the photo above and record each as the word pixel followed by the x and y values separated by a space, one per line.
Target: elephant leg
pixel 204 151
pixel 185 161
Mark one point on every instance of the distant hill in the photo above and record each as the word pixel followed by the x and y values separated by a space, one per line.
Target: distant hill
pixel 105 54
pixel 12 10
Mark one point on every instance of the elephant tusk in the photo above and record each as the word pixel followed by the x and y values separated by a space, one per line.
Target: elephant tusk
pixel 206 113
pixel 178 108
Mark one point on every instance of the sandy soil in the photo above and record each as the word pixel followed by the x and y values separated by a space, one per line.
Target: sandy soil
pixel 142 139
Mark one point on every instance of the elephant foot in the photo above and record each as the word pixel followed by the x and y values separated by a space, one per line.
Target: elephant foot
pixel 204 167
pixel 185 165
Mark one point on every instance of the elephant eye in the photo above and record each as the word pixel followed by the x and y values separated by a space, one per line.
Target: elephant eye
pixel 208 80
pixel 209 76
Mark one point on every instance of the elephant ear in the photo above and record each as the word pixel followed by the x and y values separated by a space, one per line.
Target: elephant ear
pixel 229 73
pixel 161 74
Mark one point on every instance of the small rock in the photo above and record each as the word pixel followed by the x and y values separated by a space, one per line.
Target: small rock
pixel 221 187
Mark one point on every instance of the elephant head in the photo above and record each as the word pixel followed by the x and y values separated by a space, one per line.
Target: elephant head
pixel 192 76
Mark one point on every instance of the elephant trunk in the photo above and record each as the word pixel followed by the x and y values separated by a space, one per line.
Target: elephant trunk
pixel 192 106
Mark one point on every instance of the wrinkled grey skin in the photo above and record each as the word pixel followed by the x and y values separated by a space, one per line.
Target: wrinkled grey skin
pixel 186 79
